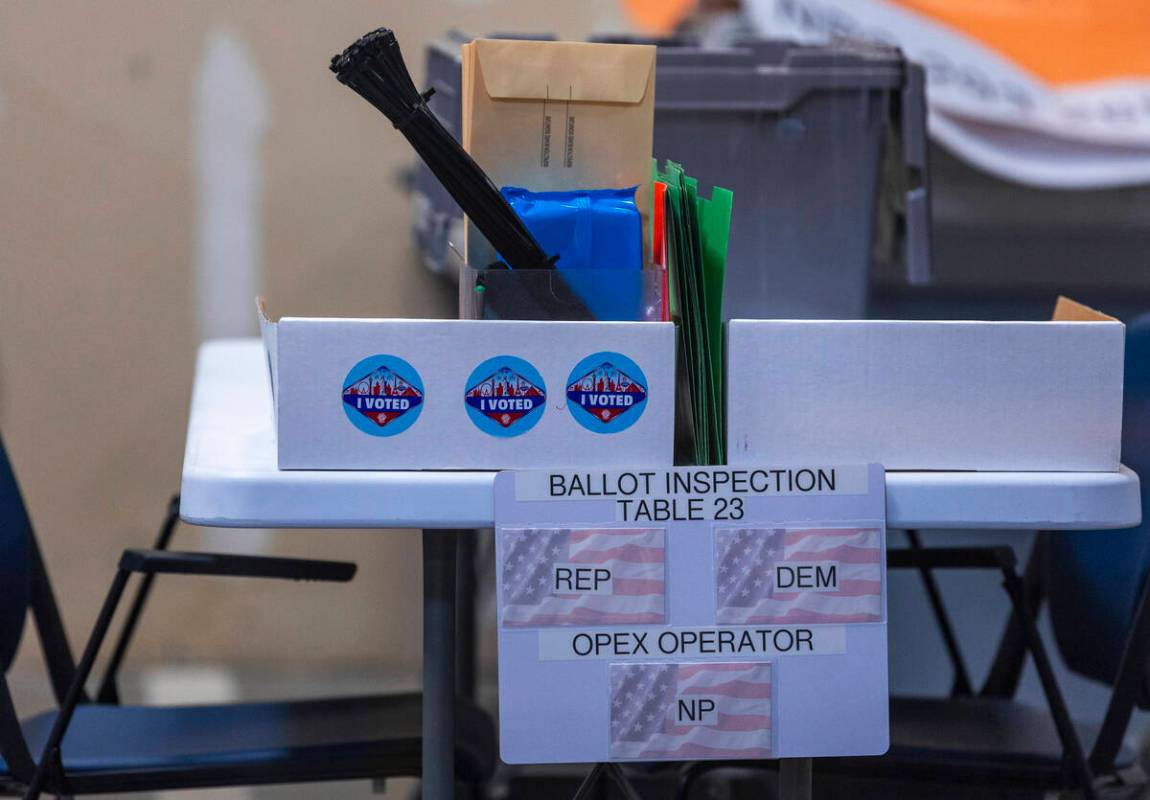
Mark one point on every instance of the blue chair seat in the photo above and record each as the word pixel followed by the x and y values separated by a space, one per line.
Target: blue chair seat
pixel 142 748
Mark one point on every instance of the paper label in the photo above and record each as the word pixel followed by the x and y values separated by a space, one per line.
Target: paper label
pixel 685 711
pixel 750 623
pixel 590 576
pixel 792 576
pixel 613 644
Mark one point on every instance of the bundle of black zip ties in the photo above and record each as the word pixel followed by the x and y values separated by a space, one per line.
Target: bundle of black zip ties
pixel 373 67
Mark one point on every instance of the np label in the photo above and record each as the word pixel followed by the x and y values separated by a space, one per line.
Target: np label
pixel 696 711
pixel 690 710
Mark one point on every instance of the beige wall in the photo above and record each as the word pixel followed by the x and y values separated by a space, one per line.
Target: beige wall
pixel 97 324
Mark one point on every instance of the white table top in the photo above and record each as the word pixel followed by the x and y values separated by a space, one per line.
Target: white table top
pixel 231 480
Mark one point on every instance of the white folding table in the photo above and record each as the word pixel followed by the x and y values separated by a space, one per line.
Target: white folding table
pixel 230 479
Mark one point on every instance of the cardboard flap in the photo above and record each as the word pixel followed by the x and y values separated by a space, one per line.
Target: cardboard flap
pixel 561 71
pixel 268 334
pixel 1067 310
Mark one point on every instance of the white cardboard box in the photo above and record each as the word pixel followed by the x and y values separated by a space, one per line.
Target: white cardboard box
pixel 928 395
pixel 455 394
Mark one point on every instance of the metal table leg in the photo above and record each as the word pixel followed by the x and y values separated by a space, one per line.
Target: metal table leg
pixel 439 565
pixel 466 623
pixel 795 779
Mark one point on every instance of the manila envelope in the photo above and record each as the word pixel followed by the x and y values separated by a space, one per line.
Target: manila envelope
pixel 548 116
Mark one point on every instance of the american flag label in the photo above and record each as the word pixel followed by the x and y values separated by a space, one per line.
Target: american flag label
pixel 798 576
pixel 690 711
pixel 556 577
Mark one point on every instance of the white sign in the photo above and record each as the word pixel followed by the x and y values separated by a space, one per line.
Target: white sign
pixel 691 613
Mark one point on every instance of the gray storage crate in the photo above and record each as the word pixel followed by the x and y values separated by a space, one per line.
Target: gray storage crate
pixel 823 146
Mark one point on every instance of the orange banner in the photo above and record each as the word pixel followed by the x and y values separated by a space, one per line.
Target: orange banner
pixel 1064 41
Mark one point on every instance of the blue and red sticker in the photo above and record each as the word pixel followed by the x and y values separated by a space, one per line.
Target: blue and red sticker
pixel 606 392
pixel 505 396
pixel 383 395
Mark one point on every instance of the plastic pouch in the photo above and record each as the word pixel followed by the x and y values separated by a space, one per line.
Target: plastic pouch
pixel 587 228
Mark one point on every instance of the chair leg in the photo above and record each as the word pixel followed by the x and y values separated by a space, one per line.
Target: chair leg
pixel 109 691
pixel 50 761
pixel 961 687
pixel 589 784
pixel 1128 685
pixel 615 772
pixel 1073 756
pixel 595 778
pixel 439 573
pixel 1009 659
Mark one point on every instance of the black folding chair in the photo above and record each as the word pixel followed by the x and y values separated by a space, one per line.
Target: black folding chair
pixel 1096 588
pixel 968 739
pixel 1098 594
pixel 102 747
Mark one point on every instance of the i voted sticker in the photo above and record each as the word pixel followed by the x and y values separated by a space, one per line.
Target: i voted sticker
pixel 606 392
pixel 383 395
pixel 505 396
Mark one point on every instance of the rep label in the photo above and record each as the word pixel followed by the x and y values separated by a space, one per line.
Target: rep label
pixel 582 579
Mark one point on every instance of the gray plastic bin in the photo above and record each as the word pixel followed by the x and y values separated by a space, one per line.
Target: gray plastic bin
pixel 823 146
